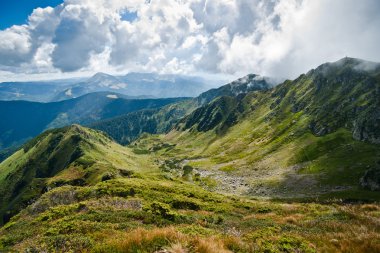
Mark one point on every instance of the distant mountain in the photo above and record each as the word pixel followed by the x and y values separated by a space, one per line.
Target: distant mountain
pixel 22 120
pixel 127 128
pixel 139 84
pixel 43 91
pixel 100 82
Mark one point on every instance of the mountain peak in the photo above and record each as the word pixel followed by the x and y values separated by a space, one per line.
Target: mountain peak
pixel 106 81
pixel 248 83
pixel 251 80
pixel 349 63
pixel 101 74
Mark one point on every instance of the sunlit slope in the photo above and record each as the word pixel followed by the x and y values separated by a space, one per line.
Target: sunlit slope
pixel 73 155
pixel 155 213
pixel 316 135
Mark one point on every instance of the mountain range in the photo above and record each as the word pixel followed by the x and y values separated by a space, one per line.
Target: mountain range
pixel 138 85
pixel 247 167
pixel 22 120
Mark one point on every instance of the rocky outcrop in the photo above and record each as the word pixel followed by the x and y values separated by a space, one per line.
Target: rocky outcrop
pixel 371 179
pixel 368 129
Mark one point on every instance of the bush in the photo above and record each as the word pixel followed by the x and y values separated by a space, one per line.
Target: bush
pixel 163 210
pixel 185 204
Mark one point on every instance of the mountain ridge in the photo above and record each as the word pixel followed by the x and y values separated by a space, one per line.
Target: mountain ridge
pixel 23 119
pixel 72 155
pixel 132 84
pixel 162 120
pixel 300 133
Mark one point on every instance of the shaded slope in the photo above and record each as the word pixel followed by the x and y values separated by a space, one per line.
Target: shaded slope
pixel 22 120
pixel 129 127
pixel 220 112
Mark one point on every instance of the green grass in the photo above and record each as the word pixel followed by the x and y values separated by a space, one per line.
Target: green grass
pixel 69 156
pixel 266 150
pixel 159 214
pixel 127 204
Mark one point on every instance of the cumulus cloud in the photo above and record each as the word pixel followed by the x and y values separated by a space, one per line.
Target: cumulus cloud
pixel 269 37
pixel 15 46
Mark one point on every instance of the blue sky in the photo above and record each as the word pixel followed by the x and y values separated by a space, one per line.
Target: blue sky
pixel 276 38
pixel 16 12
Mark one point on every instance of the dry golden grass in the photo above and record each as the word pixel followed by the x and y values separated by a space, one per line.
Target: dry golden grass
pixel 141 238
pixel 210 245
pixel 176 248
pixel 357 232
pixel 165 240
pixel 370 208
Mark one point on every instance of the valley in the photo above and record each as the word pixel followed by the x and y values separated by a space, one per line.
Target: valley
pixel 247 167
pixel 23 120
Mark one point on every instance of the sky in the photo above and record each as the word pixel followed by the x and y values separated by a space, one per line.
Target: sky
pixel 17 12
pixel 48 39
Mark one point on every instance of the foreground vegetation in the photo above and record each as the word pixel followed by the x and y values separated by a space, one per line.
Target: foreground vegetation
pixel 154 215
pixel 126 202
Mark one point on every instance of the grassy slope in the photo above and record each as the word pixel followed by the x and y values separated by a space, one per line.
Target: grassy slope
pixel 127 128
pixel 72 155
pixel 139 214
pixel 271 150
pixel 126 204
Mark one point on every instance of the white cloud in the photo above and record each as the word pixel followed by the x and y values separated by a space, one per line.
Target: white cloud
pixel 15 46
pixel 269 37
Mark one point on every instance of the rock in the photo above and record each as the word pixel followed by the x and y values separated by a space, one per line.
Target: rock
pixel 371 179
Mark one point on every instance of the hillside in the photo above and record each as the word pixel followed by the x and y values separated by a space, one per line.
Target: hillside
pixel 22 120
pixel 127 128
pixel 80 192
pixel 68 156
pixel 316 136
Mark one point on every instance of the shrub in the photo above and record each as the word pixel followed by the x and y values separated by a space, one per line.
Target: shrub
pixel 187 170
pixel 163 210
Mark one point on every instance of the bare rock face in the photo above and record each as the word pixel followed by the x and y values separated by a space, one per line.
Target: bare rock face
pixel 371 179
pixel 368 129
